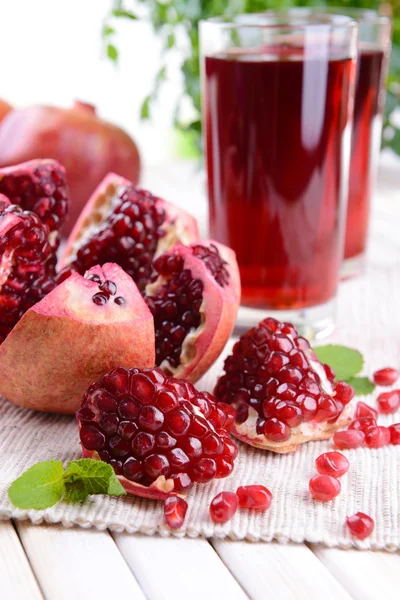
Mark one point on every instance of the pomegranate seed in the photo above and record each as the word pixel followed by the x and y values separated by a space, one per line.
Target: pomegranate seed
pixel 389 402
pixel 361 525
pixel 395 434
pixel 344 392
pixel 175 511
pixel 364 424
pixel 386 376
pixel 363 410
pixel 332 463
pixel 276 430
pixel 182 482
pixel 223 507
pixel 328 409
pixel 324 487
pixel 352 438
pixel 377 437
pixel 257 497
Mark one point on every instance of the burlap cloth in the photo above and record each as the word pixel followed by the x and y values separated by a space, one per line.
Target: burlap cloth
pixel 368 317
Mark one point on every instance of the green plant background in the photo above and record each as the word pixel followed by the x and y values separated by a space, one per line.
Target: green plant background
pixel 167 16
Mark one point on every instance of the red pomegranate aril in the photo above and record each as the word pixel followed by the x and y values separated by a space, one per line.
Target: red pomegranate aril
pixel 364 410
pixel 389 402
pixel 361 525
pixel 156 465
pixel 327 409
pixel 182 482
pixel 178 460
pixel 150 418
pixel 256 497
pixel 104 401
pixel 204 470
pixel 128 409
pixel 288 413
pixel 386 376
pixel 212 445
pixel 395 434
pixel 91 437
pixel 351 438
pixel 109 423
pixel 223 507
pixel 175 509
pixel 364 424
pixel 377 437
pixel 178 422
pixel 344 392
pixel 142 388
pixel 308 406
pixel 224 466
pixel 127 429
pixel 166 401
pixel 143 443
pixel 164 441
pixel 276 431
pixel 230 448
pixel 332 463
pixel 132 469
pixel 324 487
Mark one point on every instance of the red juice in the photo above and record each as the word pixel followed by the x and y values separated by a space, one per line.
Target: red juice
pixel 365 147
pixel 274 138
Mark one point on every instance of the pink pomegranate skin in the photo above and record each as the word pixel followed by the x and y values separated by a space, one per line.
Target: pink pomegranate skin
pixel 87 146
pixel 71 338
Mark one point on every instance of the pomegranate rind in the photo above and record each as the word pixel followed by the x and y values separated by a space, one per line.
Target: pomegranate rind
pixel 65 342
pixel 179 225
pixel 218 311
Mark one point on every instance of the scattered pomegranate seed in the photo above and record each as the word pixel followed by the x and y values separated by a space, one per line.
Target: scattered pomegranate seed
pixel 360 525
pixel 324 487
pixel 395 434
pixel 364 424
pixel 223 507
pixel 175 511
pixel 344 392
pixel 387 376
pixel 363 410
pixel 332 463
pixel 254 496
pixel 389 402
pixel 377 437
pixel 352 438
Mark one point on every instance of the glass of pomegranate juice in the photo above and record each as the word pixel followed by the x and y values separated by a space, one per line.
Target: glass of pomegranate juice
pixel 278 93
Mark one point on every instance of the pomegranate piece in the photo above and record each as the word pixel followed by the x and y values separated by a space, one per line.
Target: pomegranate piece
pixel 364 410
pixel 72 337
pixel 26 263
pixel 194 301
pixel 352 438
pixel 377 437
pixel 364 424
pixel 223 507
pixel 361 525
pixel 39 186
pixel 395 434
pixel 324 487
pixel 386 376
pixel 165 433
pixel 128 226
pixel 175 509
pixel 256 497
pixel 332 463
pixel 282 394
pixel 389 402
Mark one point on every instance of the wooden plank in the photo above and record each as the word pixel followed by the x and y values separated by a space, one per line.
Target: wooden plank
pixel 282 571
pixel 17 580
pixel 77 563
pixel 365 575
pixel 178 568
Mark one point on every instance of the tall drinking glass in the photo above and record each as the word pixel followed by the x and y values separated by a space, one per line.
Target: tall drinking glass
pixel 277 97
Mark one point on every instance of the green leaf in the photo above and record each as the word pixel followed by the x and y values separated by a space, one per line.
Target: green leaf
pixel 40 487
pixel 145 110
pixel 107 30
pixel 115 488
pixel 362 385
pixel 346 362
pixel 112 52
pixel 126 14
pixel 170 42
pixel 87 476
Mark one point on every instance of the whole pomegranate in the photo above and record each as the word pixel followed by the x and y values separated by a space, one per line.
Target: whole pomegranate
pixel 84 144
pixel 5 108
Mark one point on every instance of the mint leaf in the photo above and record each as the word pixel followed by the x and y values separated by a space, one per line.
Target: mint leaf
pixel 346 362
pixel 362 385
pixel 88 475
pixel 115 488
pixel 145 109
pixel 40 487
pixel 112 52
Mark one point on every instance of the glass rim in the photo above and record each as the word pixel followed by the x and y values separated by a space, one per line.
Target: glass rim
pixel 367 16
pixel 284 20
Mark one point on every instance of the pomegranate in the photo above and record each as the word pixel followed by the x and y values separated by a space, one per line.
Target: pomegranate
pixel 377 437
pixel 324 487
pixel 26 263
pixel 332 463
pixel 126 225
pixel 364 424
pixel 283 395
pixel 39 186
pixel 223 507
pixel 364 410
pixel 87 146
pixel 361 525
pixel 352 438
pixel 395 434
pixel 386 376
pixel 79 331
pixel 194 301
pixel 159 433
pixel 389 402
pixel 256 497
pixel 5 108
pixel 175 509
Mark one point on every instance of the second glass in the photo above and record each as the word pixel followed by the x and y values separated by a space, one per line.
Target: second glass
pixel 278 95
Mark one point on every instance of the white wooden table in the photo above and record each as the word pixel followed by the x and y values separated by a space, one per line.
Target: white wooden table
pixel 54 563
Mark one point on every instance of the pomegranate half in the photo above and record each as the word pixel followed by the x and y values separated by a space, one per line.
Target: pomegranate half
pixel 79 331
pixel 283 395
pixel 128 226
pixel 159 433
